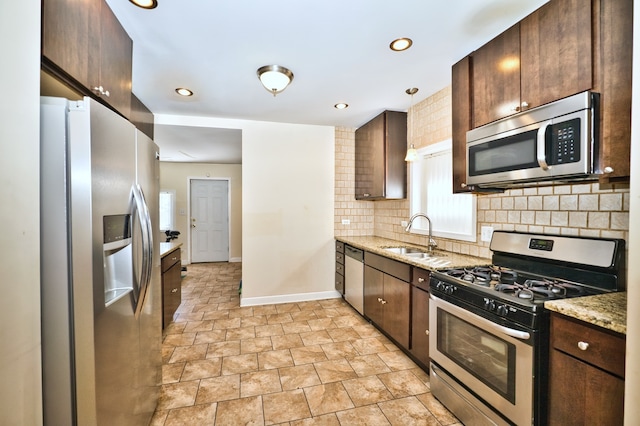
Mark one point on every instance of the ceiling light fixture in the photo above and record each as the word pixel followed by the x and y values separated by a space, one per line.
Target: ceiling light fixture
pixel 145 4
pixel 412 153
pixel 341 105
pixel 400 44
pixel 184 92
pixel 275 78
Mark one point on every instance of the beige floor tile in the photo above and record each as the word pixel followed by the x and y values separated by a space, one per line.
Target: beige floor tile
pixel 339 350
pixel 363 416
pixel 367 390
pixel 275 359
pixel 220 349
pixel 182 339
pixel 327 398
pixel 324 420
pixel 307 355
pixel 304 315
pixel 334 370
pixel 286 341
pixel 367 331
pixel 227 323
pixel 321 324
pixel 201 369
pixel 298 377
pixel 216 315
pixel 397 360
pixel 327 313
pixel 241 333
pixel 241 312
pixel 219 389
pixel 296 327
pixel 203 414
pixel 269 330
pixel 316 337
pixel 188 353
pixel 343 321
pixel 253 321
pixel 407 412
pixel 369 346
pixel 239 364
pixel 438 410
pixel 403 383
pixel 285 406
pixel 279 318
pixel 287 307
pixel 176 395
pixel 193 326
pixel 264 310
pixel 244 411
pixel 254 345
pixel 259 383
pixel 171 373
pixel 343 334
pixel 367 365
pixel 212 336
pixel 189 316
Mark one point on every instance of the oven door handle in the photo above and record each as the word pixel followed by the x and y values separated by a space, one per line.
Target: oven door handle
pixel 461 312
pixel 541 148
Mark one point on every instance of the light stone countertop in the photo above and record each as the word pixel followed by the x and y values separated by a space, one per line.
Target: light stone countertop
pixel 444 259
pixel 166 248
pixel 604 310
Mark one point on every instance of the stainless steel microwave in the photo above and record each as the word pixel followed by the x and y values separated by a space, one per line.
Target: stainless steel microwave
pixel 554 142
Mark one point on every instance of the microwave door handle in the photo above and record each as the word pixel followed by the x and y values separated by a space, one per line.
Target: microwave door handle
pixel 541 145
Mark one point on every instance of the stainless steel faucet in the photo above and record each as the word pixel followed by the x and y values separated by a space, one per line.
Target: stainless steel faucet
pixel 432 244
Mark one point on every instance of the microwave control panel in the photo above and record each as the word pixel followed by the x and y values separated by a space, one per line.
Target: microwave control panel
pixel 564 142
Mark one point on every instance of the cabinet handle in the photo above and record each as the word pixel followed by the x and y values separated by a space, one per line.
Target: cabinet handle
pixel 608 169
pixel 583 346
pixel 525 105
pixel 516 108
pixel 384 302
pixel 380 299
pixel 174 290
pixel 100 91
pixel 463 185
pixel 426 332
pixel 420 280
pixel 174 258
pixel 366 195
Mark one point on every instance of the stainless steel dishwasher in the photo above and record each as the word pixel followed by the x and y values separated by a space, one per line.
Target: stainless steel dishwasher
pixel 353 277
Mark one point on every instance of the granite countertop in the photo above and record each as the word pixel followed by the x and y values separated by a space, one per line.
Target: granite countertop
pixel 444 259
pixel 166 248
pixel 604 310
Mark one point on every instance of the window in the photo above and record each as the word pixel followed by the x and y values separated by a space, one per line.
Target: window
pixel 167 209
pixel 452 215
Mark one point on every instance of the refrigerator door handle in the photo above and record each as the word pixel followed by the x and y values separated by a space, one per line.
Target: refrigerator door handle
pixel 147 246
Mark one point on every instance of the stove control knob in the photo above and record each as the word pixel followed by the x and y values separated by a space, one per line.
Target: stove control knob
pixel 449 289
pixel 502 310
pixel 489 304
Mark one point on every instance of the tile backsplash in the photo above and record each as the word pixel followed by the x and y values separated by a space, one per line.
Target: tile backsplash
pixel 579 209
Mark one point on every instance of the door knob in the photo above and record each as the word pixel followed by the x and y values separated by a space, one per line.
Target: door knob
pixel 193 225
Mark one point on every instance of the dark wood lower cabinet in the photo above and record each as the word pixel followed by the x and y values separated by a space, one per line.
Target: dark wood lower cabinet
pixel 171 285
pixel 420 325
pixel 586 374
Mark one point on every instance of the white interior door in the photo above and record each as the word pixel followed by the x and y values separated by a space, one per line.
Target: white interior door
pixel 209 220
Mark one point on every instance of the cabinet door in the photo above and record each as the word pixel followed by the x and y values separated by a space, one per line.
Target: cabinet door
pixel 116 50
pixel 556 51
pixel 580 394
pixel 71 38
pixel 461 121
pixel 370 160
pixel 171 293
pixel 496 78
pixel 396 303
pixel 420 324
pixel 373 294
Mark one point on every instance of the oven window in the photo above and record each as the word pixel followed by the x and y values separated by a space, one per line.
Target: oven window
pixel 482 354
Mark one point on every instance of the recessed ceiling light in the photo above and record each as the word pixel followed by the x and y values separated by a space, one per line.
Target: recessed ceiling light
pixel 341 105
pixel 401 44
pixel 184 92
pixel 145 4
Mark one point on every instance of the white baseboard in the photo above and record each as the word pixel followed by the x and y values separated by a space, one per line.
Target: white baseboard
pixel 235 259
pixel 288 298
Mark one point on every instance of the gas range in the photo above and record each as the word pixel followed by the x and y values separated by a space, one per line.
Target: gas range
pixel 529 269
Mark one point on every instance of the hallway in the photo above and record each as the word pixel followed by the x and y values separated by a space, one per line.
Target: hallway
pixel 308 363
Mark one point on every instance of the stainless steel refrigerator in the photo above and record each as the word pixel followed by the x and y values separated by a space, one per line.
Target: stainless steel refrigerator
pixel 100 266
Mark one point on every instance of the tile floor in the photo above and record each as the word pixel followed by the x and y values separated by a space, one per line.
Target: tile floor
pixel 308 363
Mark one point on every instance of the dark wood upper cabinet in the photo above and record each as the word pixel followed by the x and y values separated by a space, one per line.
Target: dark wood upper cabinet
pixel 563 48
pixel 141 117
pixel 84 45
pixel 380 147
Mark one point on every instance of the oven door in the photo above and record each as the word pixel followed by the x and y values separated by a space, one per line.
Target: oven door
pixel 492 361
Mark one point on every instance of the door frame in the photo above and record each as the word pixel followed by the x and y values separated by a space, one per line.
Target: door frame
pixel 191 178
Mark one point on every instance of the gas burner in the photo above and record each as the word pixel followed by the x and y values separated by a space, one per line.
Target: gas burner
pixel 485 276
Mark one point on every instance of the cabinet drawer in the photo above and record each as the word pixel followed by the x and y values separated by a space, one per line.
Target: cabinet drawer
pixel 392 267
pixel 420 278
pixel 170 259
pixel 339 246
pixel 340 258
pixel 339 283
pixel 588 343
pixel 339 268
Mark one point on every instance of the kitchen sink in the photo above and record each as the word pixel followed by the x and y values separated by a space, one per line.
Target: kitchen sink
pixel 405 250
pixel 433 258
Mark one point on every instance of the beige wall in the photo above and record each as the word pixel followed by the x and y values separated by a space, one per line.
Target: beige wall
pixel 175 176
pixel 20 388
pixel 287 208
pixel 581 209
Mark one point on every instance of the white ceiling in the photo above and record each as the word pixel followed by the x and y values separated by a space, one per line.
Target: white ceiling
pixel 338 51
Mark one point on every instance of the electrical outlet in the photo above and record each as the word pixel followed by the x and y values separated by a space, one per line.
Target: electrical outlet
pixel 346 222
pixel 404 223
pixel 486 232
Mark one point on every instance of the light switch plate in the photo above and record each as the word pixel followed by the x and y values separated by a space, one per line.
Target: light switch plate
pixel 486 232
